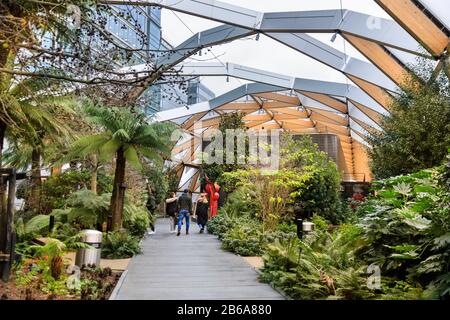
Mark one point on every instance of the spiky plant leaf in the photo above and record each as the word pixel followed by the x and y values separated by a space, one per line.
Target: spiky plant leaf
pixel 109 149
pixel 133 158
pixel 403 188
pixel 37 224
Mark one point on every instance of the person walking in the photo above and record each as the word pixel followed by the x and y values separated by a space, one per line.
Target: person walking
pixel 184 209
pixel 171 211
pixel 202 212
pixel 151 207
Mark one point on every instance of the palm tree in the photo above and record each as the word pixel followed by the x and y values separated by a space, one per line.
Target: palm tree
pixel 126 136
pixel 42 128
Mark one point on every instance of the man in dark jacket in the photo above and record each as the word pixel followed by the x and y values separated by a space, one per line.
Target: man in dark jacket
pixel 184 209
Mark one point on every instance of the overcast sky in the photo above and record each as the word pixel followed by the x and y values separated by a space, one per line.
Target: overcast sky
pixel 266 53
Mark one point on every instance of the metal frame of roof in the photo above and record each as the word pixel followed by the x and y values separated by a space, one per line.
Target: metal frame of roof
pixel 277 101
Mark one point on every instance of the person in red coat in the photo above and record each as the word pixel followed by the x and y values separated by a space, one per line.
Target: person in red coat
pixel 212 190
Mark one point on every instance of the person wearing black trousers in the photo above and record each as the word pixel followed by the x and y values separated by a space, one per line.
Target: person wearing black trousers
pixel 151 207
pixel 202 212
pixel 171 211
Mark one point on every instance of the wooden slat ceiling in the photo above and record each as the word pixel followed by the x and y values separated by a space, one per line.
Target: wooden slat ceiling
pixel 273 111
pixel 378 94
pixel 329 101
pixel 372 114
pixel 295 101
pixel 280 111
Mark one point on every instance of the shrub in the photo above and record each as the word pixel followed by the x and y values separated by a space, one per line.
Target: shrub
pixel 136 220
pixel 245 239
pixel 407 230
pixel 84 209
pixel 220 224
pixel 119 245
pixel 242 202
pixel 58 188
pixel 324 266
pixel 313 179
pixel 416 134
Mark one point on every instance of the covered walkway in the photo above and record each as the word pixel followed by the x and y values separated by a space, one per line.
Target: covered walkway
pixel 189 267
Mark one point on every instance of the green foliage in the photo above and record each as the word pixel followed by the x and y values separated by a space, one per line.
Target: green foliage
pixel 307 182
pixel 119 245
pixel 172 181
pixel 245 235
pixel 87 210
pixel 136 220
pixel 36 225
pixel 407 230
pixel 325 266
pixel 416 135
pixel 445 178
pixel 51 249
pixel 158 182
pixel 313 179
pixel 245 238
pixel 41 117
pixel 84 209
pixel 59 187
pixel 221 223
pixel 230 181
pixel 37 273
pixel 123 130
pixel 214 171
pixel 242 202
pixel 127 136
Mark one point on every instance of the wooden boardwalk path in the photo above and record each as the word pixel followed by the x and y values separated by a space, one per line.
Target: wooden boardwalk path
pixel 189 267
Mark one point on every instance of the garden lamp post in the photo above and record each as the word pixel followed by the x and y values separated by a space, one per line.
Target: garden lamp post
pixel 303 227
pixel 299 222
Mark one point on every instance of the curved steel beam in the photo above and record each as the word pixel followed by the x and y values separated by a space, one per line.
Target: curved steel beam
pixel 287 82
pixel 242 91
pixel 218 35
pixel 303 43
pixel 382 31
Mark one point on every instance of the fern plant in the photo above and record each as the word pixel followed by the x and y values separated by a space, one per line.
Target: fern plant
pixel 119 245
pixel 126 136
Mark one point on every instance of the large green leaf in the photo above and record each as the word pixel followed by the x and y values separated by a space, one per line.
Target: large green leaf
pixel 403 188
pixel 109 149
pixel 85 216
pixel 442 241
pixel 150 154
pixel 121 135
pixel 133 158
pixel 87 145
pixel 420 223
pixel 37 224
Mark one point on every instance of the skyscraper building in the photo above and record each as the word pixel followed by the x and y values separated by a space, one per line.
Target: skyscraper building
pixel 132 25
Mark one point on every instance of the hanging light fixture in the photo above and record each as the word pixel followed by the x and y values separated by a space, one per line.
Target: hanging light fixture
pixel 334 36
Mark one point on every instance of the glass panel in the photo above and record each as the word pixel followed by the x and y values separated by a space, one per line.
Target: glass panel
pixel 406 58
pixel 439 8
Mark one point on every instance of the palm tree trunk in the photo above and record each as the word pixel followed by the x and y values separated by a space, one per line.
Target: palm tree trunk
pixel 118 194
pixel 3 218
pixel 35 197
pixel 94 174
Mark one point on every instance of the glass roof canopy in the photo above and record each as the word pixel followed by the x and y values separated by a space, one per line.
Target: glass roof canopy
pixel 277 101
